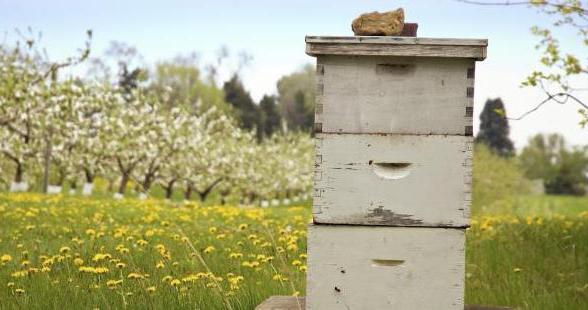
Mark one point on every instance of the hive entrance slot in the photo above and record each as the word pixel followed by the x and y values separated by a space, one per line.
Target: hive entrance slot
pixel 387 262
pixel 395 69
pixel 391 171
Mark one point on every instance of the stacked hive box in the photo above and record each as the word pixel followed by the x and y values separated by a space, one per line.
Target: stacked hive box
pixel 393 171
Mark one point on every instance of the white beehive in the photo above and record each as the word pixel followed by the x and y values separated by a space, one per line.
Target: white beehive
pixel 361 267
pixel 395 85
pixel 393 180
pixel 393 171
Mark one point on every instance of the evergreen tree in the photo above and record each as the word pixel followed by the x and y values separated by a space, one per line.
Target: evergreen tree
pixel 247 111
pixel 494 128
pixel 270 116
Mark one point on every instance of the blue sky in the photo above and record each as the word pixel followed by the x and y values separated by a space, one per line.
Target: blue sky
pixel 273 33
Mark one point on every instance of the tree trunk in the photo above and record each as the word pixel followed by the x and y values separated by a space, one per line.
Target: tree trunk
pixel 169 189
pixel 18 176
pixel 188 192
pixel 47 164
pixel 204 194
pixel 147 182
pixel 89 176
pixel 123 183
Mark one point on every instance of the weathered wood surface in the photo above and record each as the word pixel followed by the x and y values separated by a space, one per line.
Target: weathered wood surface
pixel 291 303
pixel 396 46
pixel 394 95
pixel 283 303
pixel 393 180
pixel 360 267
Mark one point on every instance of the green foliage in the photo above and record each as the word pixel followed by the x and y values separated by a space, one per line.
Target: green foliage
pixel 179 84
pixel 247 112
pixel 296 93
pixel 494 128
pixel 562 170
pixel 270 117
pixel 495 179
pixel 560 69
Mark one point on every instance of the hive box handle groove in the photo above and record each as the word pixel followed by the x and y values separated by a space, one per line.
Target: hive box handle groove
pixel 391 171
pixel 387 262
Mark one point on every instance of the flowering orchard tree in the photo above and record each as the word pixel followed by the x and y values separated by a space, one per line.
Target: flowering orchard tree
pixel 147 132
pixel 28 92
pixel 165 156
pixel 90 152
pixel 132 125
pixel 210 159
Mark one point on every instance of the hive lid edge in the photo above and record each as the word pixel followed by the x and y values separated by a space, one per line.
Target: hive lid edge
pixel 314 39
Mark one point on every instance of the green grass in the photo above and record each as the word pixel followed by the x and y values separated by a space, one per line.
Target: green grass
pixel 533 254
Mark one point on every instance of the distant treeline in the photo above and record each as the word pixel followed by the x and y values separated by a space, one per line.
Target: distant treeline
pixel 561 168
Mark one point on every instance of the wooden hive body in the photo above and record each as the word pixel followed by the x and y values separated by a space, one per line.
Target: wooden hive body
pixel 393 180
pixel 393 171
pixel 360 267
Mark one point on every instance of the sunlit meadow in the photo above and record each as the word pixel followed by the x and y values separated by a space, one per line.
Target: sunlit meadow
pixel 83 253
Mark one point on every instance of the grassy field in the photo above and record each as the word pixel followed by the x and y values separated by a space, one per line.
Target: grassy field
pixel 76 253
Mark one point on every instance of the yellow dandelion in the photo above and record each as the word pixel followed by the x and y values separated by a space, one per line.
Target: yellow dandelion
pixel 19 291
pixel 160 265
pixel 78 261
pixel 151 289
pixel 235 255
pixel 5 258
pixel 113 283
pixel 209 249
pixel 19 274
pixel 135 275
pixel 279 277
pixel 175 282
pixel 101 256
pixel 64 250
pixel 121 265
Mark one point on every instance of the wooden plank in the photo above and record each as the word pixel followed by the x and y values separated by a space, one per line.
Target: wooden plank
pixel 397 46
pixel 283 303
pixel 396 40
pixel 394 95
pixel 291 302
pixel 393 180
pixel 359 267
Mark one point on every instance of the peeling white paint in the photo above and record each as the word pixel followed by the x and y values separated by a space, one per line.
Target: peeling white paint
pixel 418 268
